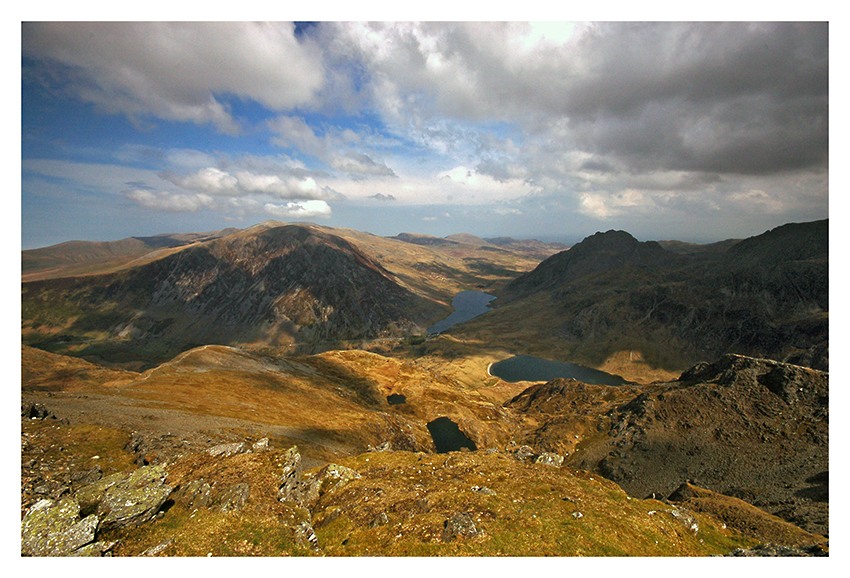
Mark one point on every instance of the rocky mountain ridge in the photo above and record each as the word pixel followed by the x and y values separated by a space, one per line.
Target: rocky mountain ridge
pixel 273 285
pixel 766 296
pixel 751 428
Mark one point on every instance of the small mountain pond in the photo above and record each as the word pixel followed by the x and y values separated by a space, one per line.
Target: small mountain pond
pixel 528 368
pixel 448 437
pixel 467 305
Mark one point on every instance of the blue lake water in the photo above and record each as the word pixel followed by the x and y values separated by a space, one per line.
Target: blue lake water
pixel 528 368
pixel 467 305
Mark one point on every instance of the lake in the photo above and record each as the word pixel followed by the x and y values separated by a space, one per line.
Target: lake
pixel 467 305
pixel 448 437
pixel 528 368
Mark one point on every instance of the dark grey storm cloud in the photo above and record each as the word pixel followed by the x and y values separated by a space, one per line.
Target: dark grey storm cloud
pixel 739 98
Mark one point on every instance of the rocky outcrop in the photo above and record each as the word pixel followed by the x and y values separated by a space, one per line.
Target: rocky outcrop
pixel 305 536
pixel 523 453
pixel 231 498
pixel 134 500
pixel 331 477
pixel 754 429
pixel 550 459
pixel 34 410
pixel 290 489
pixel 226 450
pixel 460 525
pixel 56 529
pixel 70 526
pixel 194 494
pixel 791 383
pixel 90 496
pixel 307 489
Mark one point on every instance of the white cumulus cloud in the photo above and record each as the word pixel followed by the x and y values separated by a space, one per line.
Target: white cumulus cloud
pixel 299 209
pixel 166 201
pixel 178 70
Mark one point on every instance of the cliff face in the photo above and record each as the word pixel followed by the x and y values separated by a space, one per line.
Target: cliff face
pixel 269 285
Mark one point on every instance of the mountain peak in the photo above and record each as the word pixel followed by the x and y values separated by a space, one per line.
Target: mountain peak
pixel 598 252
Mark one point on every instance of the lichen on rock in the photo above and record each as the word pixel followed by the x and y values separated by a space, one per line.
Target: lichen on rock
pixel 55 529
pixel 135 500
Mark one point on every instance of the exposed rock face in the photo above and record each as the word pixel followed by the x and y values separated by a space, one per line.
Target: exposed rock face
pixel 36 411
pixel 329 478
pixel 550 459
pixel 307 489
pixel 260 445
pixel 524 454
pixel 69 527
pixel 750 428
pixel 290 479
pixel 306 536
pixel 136 499
pixel 232 498
pixel 56 529
pixel 195 494
pixel 290 280
pixel 91 495
pixel 225 450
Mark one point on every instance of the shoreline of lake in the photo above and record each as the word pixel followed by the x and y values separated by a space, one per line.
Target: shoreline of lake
pixel 466 305
pixel 530 368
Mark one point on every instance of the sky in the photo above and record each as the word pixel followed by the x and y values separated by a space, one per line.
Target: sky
pixel 698 131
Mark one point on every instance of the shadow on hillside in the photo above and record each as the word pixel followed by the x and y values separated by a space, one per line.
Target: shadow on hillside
pixel 357 388
pixel 819 490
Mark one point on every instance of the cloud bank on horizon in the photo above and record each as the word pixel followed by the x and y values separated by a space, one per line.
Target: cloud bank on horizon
pixel 688 130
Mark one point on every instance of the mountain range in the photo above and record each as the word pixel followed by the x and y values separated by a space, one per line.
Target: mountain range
pixel 273 391
pixel 612 296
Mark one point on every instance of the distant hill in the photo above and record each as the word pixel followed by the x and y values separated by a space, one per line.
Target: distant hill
pixel 533 247
pixel 610 295
pixel 466 239
pixel 74 258
pixel 598 253
pixel 529 247
pixel 417 239
pixel 695 248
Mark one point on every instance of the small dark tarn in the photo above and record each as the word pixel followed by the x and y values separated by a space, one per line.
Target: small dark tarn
pixel 448 437
pixel 396 399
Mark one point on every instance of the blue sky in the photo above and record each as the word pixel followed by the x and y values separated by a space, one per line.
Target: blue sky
pixel 696 131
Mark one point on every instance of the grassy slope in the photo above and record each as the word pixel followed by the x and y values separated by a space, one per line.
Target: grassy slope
pixel 338 396
pixel 535 510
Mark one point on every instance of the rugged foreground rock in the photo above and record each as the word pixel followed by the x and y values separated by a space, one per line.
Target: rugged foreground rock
pixel 751 428
pixel 69 527
pixel 190 484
